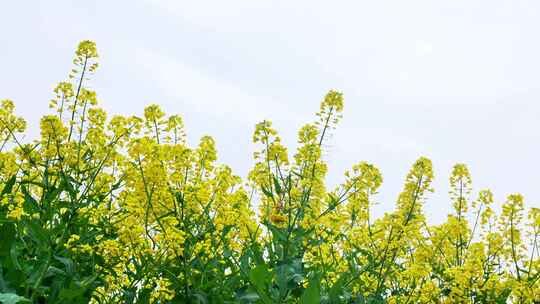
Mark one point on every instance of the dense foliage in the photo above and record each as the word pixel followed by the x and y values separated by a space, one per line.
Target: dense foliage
pixel 122 210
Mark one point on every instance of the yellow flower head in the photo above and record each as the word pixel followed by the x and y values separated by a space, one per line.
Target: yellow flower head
pixel 87 49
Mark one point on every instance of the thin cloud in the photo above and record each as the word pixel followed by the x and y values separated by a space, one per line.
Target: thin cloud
pixel 199 90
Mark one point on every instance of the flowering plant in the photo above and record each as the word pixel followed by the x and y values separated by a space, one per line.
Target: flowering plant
pixel 122 210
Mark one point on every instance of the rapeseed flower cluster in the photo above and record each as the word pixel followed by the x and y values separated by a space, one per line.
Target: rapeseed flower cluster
pixel 123 210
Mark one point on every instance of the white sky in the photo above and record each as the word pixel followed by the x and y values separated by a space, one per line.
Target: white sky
pixel 456 81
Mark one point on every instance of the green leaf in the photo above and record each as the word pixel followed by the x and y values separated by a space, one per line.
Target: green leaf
pixel 266 192
pixel 249 297
pixel 68 264
pixel 279 234
pixel 3 286
pixel 313 293
pixel 29 202
pixel 37 273
pixel 9 185
pixel 277 185
pixel 68 185
pixel 375 299
pixel 337 289
pixel 200 298
pixel 333 201
pixel 7 232
pixel 261 278
pixel 88 280
pixel 14 255
pixel 71 293
pixel 11 298
pixel 37 233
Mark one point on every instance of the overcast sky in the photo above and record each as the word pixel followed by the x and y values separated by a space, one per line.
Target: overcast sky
pixel 456 81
